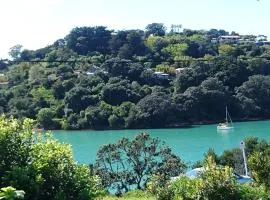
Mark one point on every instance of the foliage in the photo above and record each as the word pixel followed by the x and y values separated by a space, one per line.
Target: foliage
pixel 15 51
pixel 154 110
pixel 211 153
pixel 219 183
pixel 166 69
pixel 10 193
pixel 214 183
pixel 156 29
pixel 131 162
pixel 259 165
pixel 132 195
pixel 45 118
pixel 84 40
pixel 79 98
pixel 226 50
pixel 251 192
pixel 41 166
pixel 186 188
pixel 254 95
pixel 91 65
pixel 175 50
pixel 233 158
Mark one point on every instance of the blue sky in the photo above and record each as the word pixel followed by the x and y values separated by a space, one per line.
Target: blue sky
pixel 37 23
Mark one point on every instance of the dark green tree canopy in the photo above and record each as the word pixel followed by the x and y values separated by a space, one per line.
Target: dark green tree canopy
pixel 132 162
pixel 79 98
pixel 156 29
pixel 84 40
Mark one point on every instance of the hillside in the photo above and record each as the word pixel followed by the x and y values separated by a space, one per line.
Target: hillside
pixel 97 78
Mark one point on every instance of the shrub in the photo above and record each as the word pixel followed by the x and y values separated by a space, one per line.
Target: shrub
pixel 218 182
pixel 251 192
pixel 41 166
pixel 10 193
pixel 215 183
pixel 187 188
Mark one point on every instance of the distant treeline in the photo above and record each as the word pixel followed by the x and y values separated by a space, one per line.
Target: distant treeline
pixel 99 79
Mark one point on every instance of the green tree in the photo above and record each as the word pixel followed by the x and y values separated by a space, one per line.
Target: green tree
pixel 15 51
pixel 226 50
pixel 176 51
pixel 132 162
pixel 97 117
pixel 117 41
pixel 156 43
pixel 156 29
pixel 79 98
pixel 41 93
pixel 58 90
pixel 254 96
pixel 36 74
pixel 191 76
pixel 116 121
pixel 116 92
pixel 134 45
pixel 155 110
pixel 45 118
pixel 84 40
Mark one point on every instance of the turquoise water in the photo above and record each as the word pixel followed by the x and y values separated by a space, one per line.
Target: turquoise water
pixel 188 143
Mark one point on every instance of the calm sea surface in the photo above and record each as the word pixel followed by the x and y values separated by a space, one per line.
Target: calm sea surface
pixel 189 143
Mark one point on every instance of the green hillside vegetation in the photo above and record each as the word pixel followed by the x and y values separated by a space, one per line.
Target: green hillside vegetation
pixel 95 78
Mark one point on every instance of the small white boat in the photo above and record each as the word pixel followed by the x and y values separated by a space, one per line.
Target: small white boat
pixel 227 125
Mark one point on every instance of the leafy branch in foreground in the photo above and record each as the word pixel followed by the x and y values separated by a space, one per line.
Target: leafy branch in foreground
pixel 41 166
pixel 10 193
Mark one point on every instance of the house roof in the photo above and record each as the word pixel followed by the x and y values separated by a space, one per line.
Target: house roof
pixel 231 36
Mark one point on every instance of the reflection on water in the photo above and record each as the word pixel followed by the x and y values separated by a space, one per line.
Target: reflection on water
pixel 225 131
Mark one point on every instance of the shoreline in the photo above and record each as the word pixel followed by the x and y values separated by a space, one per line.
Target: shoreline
pixel 181 125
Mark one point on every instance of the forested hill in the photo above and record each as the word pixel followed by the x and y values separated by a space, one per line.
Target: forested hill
pixel 97 78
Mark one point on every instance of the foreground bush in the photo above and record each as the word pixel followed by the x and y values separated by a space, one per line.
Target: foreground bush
pixel 259 163
pixel 10 193
pixel 41 166
pixel 251 192
pixel 132 195
pixel 216 183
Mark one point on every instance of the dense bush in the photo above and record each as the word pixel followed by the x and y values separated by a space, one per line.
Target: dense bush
pixel 41 166
pixel 214 183
pixel 252 192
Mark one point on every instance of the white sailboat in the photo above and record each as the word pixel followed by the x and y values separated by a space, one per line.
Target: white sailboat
pixel 226 125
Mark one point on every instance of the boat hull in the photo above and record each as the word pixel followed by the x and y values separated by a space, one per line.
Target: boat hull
pixel 224 128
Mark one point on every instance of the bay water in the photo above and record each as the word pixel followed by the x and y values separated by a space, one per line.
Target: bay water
pixel 188 143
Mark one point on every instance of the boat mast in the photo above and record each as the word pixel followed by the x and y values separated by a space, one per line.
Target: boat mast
pixel 226 115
